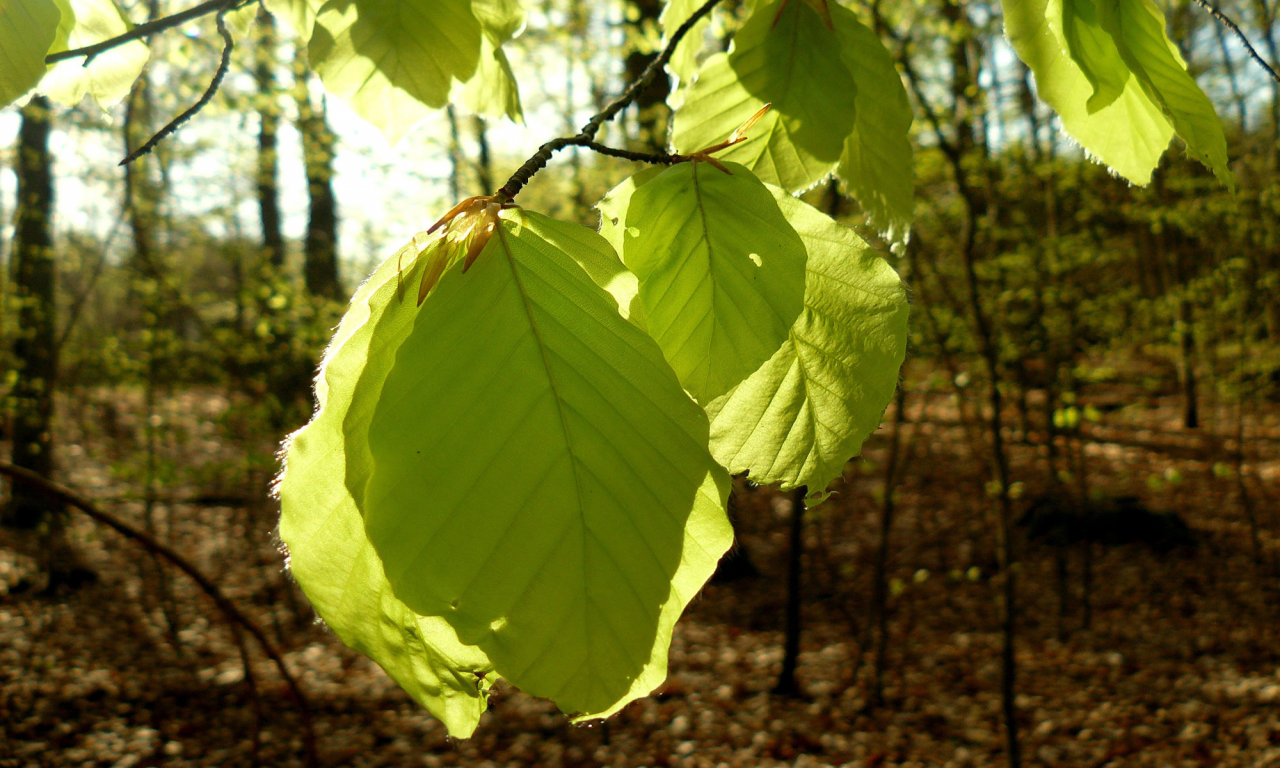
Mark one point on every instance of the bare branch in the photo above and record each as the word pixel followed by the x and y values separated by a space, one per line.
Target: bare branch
pixel 1226 21
pixel 138 32
pixel 588 133
pixel 234 616
pixel 227 45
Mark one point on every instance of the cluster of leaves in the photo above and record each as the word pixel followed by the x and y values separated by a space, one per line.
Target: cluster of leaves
pixel 523 474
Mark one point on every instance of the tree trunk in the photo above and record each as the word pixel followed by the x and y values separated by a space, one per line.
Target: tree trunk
pixel 484 163
pixel 880 578
pixel 268 127
pixel 34 282
pixel 320 251
pixel 791 647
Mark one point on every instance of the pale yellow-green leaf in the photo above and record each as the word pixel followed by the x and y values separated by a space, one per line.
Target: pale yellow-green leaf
pixel 1129 135
pixel 110 75
pixel 393 60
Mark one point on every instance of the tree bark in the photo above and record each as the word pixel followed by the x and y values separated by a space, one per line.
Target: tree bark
pixel 320 251
pixel 791 647
pixel 33 275
pixel 268 128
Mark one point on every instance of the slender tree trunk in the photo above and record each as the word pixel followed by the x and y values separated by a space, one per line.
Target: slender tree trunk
pixel 455 155
pixel 484 163
pixel 880 576
pixel 791 647
pixel 268 128
pixel 34 282
pixel 1187 345
pixel 320 250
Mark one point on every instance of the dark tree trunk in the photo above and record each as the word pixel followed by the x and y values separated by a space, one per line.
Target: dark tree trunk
pixel 791 647
pixel 320 251
pixel 880 578
pixel 34 282
pixel 484 163
pixel 268 127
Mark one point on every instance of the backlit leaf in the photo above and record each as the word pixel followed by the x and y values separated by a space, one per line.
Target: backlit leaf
pixel 721 272
pixel 27 30
pixel 877 161
pixel 1129 134
pixel 299 14
pixel 684 62
pixel 795 65
pixel 539 478
pixel 329 554
pixel 1137 26
pixel 806 412
pixel 110 75
pixel 392 59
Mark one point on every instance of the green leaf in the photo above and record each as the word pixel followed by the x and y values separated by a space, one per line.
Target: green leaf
pixel 795 65
pixel 540 480
pixel 877 162
pixel 299 14
pixel 1094 51
pixel 493 90
pixel 389 58
pixel 27 30
pixel 1137 26
pixel 806 412
pixel 1129 135
pixel 721 272
pixel 110 75
pixel 684 61
pixel 329 554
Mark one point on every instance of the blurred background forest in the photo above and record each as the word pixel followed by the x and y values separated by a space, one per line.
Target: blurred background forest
pixel 1112 351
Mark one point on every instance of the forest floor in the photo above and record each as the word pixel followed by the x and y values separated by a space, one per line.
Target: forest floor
pixel 1177 665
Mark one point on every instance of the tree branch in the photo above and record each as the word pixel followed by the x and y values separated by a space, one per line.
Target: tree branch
pixel 233 614
pixel 228 43
pixel 1226 21
pixel 586 137
pixel 137 33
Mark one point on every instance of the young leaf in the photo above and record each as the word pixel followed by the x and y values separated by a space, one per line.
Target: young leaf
pixel 805 412
pixel 1129 134
pixel 329 554
pixel 1137 26
pixel 877 161
pixel 27 30
pixel 389 58
pixel 721 272
pixel 796 65
pixel 539 478
pixel 110 75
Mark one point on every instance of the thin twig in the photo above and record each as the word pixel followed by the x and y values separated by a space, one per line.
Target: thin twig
pixel 588 133
pixel 228 608
pixel 626 154
pixel 228 43
pixel 1226 21
pixel 138 32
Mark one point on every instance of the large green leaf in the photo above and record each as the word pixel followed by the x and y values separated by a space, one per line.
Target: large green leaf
pixel 877 161
pixel 329 554
pixel 110 75
pixel 721 272
pixel 805 412
pixel 539 479
pixel 1129 134
pixel 392 59
pixel 1093 50
pixel 795 65
pixel 27 30
pixel 1137 27
pixel 492 90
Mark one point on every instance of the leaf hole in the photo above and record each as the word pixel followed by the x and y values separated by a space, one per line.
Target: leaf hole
pixel 755 259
